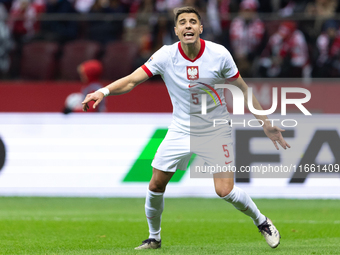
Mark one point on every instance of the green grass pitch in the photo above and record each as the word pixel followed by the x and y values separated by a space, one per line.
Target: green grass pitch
pixel 190 226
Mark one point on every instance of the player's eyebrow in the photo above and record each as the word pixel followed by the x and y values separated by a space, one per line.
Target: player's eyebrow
pixel 191 19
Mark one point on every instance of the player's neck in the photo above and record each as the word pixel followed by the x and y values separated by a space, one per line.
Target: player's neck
pixel 192 50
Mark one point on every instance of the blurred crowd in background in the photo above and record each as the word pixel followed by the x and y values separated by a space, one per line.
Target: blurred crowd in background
pixel 267 38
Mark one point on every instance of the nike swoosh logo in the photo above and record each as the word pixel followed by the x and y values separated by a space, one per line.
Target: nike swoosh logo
pixel 150 217
pixel 228 162
pixel 191 86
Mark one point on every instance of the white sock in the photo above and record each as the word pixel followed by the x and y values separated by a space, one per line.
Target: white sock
pixel 154 204
pixel 242 202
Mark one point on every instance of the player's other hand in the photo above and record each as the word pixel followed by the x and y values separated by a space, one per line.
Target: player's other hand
pixel 274 134
pixel 97 97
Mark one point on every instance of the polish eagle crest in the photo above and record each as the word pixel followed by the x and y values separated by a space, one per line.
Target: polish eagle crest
pixel 192 72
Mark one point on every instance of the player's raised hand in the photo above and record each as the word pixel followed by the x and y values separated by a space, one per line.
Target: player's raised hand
pixel 274 134
pixel 97 97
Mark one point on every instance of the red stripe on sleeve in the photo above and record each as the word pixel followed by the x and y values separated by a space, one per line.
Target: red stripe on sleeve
pixel 148 72
pixel 234 77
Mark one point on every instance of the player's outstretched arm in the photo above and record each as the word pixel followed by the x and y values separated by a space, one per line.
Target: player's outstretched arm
pixel 118 87
pixel 273 132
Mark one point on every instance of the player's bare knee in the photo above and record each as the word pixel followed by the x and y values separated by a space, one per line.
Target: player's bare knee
pixel 224 191
pixel 156 186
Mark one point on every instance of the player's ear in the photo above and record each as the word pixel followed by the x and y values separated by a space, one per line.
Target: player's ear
pixel 201 29
pixel 176 33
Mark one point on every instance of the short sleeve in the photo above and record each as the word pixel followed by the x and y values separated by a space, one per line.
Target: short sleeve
pixel 156 63
pixel 229 68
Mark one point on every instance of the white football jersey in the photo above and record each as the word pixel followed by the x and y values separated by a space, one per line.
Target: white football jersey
pixel 187 80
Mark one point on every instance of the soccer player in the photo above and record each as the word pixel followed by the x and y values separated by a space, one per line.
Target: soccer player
pixel 180 64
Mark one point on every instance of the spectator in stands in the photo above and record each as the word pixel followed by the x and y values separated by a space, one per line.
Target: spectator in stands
pixel 90 73
pixel 290 7
pixel 247 36
pixel 324 8
pixel 168 5
pixel 264 6
pixel 24 27
pixel 23 19
pixel 218 13
pixel 286 54
pixel 139 27
pixel 162 33
pixel 59 30
pixel 317 12
pixel 199 5
pixel 146 12
pixel 105 31
pixel 6 43
pixel 328 45
pixel 83 6
pixel 214 20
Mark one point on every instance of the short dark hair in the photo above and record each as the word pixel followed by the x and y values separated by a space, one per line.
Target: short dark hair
pixel 186 9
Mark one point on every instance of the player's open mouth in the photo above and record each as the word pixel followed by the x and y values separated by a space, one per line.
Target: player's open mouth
pixel 189 35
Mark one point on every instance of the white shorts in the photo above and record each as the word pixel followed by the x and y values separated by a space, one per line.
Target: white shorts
pixel 177 148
